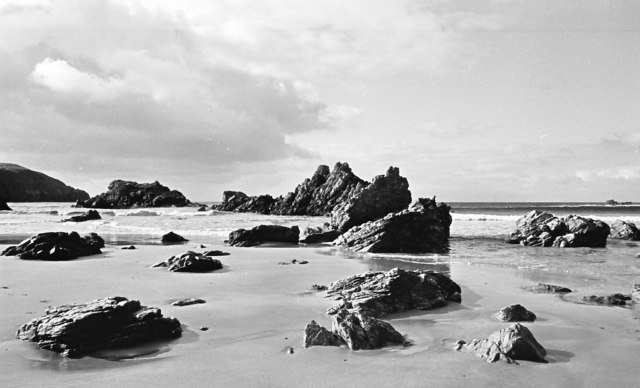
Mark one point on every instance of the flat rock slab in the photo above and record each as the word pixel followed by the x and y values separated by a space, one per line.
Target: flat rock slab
pixel 509 344
pixel 56 246
pixel 190 262
pixel 79 329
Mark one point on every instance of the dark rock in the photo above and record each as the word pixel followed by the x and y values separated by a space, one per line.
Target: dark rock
pixel 382 293
pixel 216 253
pixel 264 233
pixel 538 228
pixel 231 200
pixel 423 227
pixel 512 343
pixel 294 261
pixel 129 247
pixel 19 184
pixel 173 238
pixel 550 289
pixel 79 329
pixel 515 313
pixel 88 216
pixel 190 262
pixel 203 208
pixel 319 235
pixel 4 206
pixel 187 302
pixel 624 230
pixel 261 204
pixel 360 331
pixel 204 328
pixel 125 194
pixel 56 246
pixel 316 335
pixel 609 300
pixel 319 287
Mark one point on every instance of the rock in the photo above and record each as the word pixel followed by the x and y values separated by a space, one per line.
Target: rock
pixel 203 208
pixel 319 287
pixel 635 293
pixel 422 228
pixel 538 228
pixel 88 216
pixel 360 331
pixel 386 194
pixel 173 238
pixel 261 204
pixel 264 233
pixel 4 206
pixel 204 328
pixel 515 313
pixel 550 289
pixel 624 230
pixel 316 335
pixel 19 184
pixel 190 262
pixel 125 194
pixel 512 343
pixel 79 329
pixel 129 247
pixel 319 235
pixel 187 302
pixel 609 300
pixel 382 293
pixel 216 253
pixel 294 261
pixel 231 200
pixel 56 246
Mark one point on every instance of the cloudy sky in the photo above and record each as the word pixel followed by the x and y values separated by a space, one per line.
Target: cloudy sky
pixel 496 100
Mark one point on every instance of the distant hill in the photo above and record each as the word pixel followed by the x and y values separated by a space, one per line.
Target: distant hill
pixel 19 184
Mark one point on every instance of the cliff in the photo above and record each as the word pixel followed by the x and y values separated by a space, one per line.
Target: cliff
pixel 19 184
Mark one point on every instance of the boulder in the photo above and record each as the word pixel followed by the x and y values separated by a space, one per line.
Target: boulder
pixel 360 331
pixel 316 335
pixel 173 238
pixel 79 329
pixel 264 233
pixel 538 228
pixel 422 228
pixel 19 184
pixel 382 293
pixel 88 216
pixel 190 262
pixel 609 300
pixel 188 302
pixel 231 200
pixel 509 344
pixel 4 206
pixel 515 313
pixel 623 230
pixel 125 194
pixel 56 246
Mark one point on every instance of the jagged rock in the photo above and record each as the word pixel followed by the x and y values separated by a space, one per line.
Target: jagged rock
pixel 538 228
pixel 386 194
pixel 515 313
pixel 173 238
pixel 360 331
pixel 550 289
pixel 264 233
pixel 381 293
pixel 216 253
pixel 190 262
pixel 124 194
pixel 422 228
pixel 188 302
pixel 609 300
pixel 79 329
pixel 56 246
pixel 88 216
pixel 512 343
pixel 19 184
pixel 4 206
pixel 624 230
pixel 316 335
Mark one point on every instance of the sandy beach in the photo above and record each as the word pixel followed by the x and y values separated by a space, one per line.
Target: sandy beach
pixel 257 309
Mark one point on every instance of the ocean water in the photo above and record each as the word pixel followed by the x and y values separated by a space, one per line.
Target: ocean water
pixel 478 233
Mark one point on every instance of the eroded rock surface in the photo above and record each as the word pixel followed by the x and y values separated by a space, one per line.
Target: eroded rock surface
pixel 125 194
pixel 623 230
pixel 509 344
pixel 515 313
pixel 56 246
pixel 88 216
pixel 190 262
pixel 264 233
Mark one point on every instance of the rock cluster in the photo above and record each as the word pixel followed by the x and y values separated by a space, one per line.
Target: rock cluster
pixel 19 184
pixel 421 228
pixel 538 228
pixel 624 230
pixel 509 344
pixel 88 216
pixel 80 329
pixel 515 313
pixel 264 233
pixel 56 246
pixel 125 194
pixel 190 262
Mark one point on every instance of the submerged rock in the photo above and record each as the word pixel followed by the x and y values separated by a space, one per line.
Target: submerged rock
pixel 623 230
pixel 79 329
pixel 4 206
pixel 56 246
pixel 125 194
pixel 515 313
pixel 264 233
pixel 422 228
pixel 190 262
pixel 382 293
pixel 509 344
pixel 173 238
pixel 88 216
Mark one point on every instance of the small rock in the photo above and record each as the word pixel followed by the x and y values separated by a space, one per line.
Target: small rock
pixel 201 246
pixel 190 262
pixel 88 216
pixel 172 238
pixel 550 289
pixel 509 344
pixel 187 302
pixel 289 350
pixel 515 313
pixel 216 253
pixel 204 328
pixel 319 287
pixel 129 247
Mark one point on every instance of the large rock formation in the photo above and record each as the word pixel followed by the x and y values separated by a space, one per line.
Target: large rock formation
pixel 509 344
pixel 19 184
pixel 125 194
pixel 423 227
pixel 4 206
pixel 190 262
pixel 56 246
pixel 88 216
pixel 382 293
pixel 538 228
pixel 264 233
pixel 624 230
pixel 80 329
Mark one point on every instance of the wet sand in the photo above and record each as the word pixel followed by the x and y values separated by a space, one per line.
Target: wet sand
pixel 257 309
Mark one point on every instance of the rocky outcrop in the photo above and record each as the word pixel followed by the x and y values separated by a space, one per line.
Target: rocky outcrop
pixel 125 194
pixel 422 228
pixel 515 313
pixel 232 200
pixel 4 206
pixel 316 335
pixel 56 246
pixel 79 329
pixel 378 294
pixel 319 235
pixel 173 238
pixel 190 262
pixel 509 344
pixel 264 233
pixel 538 228
pixel 623 230
pixel 19 184
pixel 88 216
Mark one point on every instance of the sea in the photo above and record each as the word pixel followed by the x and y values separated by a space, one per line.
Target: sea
pixel 478 234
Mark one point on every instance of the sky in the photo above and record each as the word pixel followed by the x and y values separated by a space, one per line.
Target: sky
pixel 478 100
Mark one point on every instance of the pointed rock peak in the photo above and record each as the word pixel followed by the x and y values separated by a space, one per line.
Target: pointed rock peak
pixel 393 171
